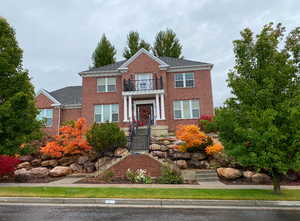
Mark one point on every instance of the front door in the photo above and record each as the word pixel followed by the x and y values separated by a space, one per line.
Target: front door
pixel 144 113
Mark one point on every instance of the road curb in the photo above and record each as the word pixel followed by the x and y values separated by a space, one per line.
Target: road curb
pixel 151 202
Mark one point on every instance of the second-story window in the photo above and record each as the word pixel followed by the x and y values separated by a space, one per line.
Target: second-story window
pixel 106 84
pixel 184 80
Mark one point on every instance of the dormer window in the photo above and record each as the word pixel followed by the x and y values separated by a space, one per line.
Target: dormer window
pixel 106 84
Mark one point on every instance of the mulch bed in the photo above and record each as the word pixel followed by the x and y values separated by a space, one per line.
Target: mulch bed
pixel 31 180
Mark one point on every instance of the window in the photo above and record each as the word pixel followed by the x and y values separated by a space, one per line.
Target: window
pixel 144 81
pixel 184 80
pixel 47 116
pixel 107 113
pixel 106 84
pixel 186 109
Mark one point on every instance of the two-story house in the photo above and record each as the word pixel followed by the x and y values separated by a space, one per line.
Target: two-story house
pixel 164 91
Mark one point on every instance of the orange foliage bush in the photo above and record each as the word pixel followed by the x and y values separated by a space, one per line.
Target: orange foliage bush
pixel 71 140
pixel 195 140
pixel 216 148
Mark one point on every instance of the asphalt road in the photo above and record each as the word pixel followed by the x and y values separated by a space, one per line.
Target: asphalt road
pixel 46 213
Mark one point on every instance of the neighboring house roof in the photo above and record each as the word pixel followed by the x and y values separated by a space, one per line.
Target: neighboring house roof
pixel 68 95
pixel 170 61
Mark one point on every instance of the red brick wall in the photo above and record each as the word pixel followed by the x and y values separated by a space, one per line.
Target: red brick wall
pixel 43 102
pixel 202 91
pixel 70 114
pixel 134 162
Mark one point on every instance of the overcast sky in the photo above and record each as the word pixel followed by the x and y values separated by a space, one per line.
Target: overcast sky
pixel 59 36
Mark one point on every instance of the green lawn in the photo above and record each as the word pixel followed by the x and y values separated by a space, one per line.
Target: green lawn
pixel 148 193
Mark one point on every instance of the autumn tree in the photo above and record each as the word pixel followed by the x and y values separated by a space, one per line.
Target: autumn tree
pixel 134 43
pixel 71 140
pixel 18 113
pixel 260 125
pixel 104 53
pixel 167 44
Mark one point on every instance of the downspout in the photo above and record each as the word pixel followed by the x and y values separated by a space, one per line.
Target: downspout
pixel 58 123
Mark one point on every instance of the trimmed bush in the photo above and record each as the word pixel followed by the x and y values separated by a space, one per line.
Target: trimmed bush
pixel 106 137
pixel 169 176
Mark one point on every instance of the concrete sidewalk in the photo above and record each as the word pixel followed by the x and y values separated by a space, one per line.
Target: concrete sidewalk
pixel 151 203
pixel 204 185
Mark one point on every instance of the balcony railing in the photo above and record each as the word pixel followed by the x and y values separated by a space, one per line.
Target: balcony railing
pixel 142 85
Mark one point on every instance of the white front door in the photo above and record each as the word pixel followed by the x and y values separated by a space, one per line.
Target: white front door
pixel 144 82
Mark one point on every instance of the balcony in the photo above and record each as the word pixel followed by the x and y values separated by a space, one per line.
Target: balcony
pixel 143 85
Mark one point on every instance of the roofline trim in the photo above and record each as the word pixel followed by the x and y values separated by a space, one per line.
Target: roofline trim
pixel 138 53
pixel 44 92
pixel 100 74
pixel 72 106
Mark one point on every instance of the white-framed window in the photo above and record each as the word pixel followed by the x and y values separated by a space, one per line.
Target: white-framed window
pixel 144 82
pixel 106 84
pixel 106 113
pixel 47 116
pixel 186 109
pixel 184 80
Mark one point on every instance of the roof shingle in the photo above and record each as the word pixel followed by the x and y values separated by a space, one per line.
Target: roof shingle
pixel 68 95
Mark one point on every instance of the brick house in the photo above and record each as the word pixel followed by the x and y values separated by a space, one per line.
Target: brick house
pixel 164 91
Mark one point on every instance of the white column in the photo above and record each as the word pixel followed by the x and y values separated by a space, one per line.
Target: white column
pixel 130 108
pixel 125 109
pixel 157 107
pixel 162 106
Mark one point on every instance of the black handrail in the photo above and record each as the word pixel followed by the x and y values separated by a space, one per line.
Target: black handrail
pixel 141 85
pixel 149 133
pixel 131 133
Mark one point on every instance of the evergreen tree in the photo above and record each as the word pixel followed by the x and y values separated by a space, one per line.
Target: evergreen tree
pixel 167 44
pixel 104 53
pixel 134 43
pixel 260 125
pixel 18 124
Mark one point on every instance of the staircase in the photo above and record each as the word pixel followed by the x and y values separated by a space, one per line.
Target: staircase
pixel 140 141
pixel 206 176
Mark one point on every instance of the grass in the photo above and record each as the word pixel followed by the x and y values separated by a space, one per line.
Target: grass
pixel 148 193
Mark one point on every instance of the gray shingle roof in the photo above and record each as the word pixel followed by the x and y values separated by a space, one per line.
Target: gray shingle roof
pixel 68 95
pixel 173 62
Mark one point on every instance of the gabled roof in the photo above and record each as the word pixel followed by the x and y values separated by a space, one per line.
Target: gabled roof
pixel 48 95
pixel 68 95
pixel 166 62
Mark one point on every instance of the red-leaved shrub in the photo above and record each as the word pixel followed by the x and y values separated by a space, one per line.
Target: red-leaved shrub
pixel 207 117
pixel 8 164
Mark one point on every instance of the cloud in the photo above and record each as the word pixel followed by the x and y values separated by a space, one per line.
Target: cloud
pixel 58 37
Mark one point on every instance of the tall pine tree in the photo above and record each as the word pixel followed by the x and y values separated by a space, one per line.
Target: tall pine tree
pixel 134 43
pixel 18 124
pixel 260 125
pixel 167 44
pixel 104 53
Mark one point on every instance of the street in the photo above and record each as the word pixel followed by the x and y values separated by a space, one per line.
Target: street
pixel 73 213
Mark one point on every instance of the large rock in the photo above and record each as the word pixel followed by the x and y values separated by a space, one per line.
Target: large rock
pixel 260 178
pixel 229 173
pixel 22 173
pixel 60 171
pixel 203 164
pixel 36 162
pixel 25 165
pixel 180 156
pixel 154 147
pixel 26 158
pixel 39 172
pixel 76 167
pixel 49 163
pixel 248 174
pixel 159 154
pixel 66 161
pixel 164 148
pixel 166 142
pixel 182 164
pixel 101 162
pixel 199 156
pixel 120 152
pixel 82 160
pixel 89 167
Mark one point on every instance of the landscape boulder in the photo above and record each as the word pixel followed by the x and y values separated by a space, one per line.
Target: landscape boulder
pixel 260 178
pixel 22 173
pixel 26 158
pixel 60 171
pixel 82 160
pixel 248 174
pixel 101 162
pixel 199 156
pixel 49 163
pixel 182 164
pixel 159 154
pixel 180 156
pixel 229 173
pixel 120 152
pixel 25 165
pixel 76 167
pixel 36 162
pixel 66 161
pixel 154 147
pixel 89 167
pixel 39 172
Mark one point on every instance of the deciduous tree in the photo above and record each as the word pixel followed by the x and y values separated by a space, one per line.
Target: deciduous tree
pixel 260 125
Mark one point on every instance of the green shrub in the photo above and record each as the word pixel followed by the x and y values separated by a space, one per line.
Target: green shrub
pixel 169 176
pixel 208 126
pixel 106 137
pixel 108 175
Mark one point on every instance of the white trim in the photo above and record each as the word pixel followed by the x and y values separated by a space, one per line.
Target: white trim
pixel 162 107
pixel 157 107
pixel 106 84
pixel 130 108
pixel 124 67
pixel 131 93
pixel 44 92
pixel 110 112
pixel 99 74
pixel 71 106
pixel 189 68
pixel 184 79
pixel 190 109
pixel 125 109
